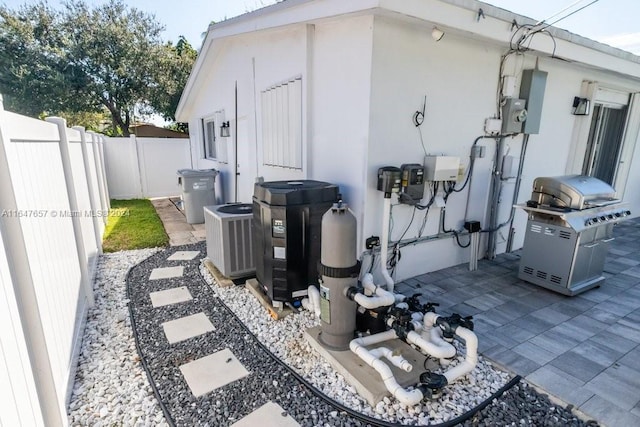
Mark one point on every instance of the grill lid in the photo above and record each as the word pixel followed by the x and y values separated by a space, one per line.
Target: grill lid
pixel 572 192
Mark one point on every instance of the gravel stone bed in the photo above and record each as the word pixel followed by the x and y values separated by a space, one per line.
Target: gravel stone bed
pixel 112 389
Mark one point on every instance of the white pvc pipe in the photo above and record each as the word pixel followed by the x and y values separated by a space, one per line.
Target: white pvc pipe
pixel 441 352
pixel 384 244
pixel 407 397
pixel 381 299
pixel 367 283
pixel 376 338
pixel 471 359
pixel 314 299
pixel 397 360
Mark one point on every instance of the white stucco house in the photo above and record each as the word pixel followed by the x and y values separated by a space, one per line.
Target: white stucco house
pixel 328 90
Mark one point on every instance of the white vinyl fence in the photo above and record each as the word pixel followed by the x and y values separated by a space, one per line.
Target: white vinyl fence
pixel 53 208
pixel 145 167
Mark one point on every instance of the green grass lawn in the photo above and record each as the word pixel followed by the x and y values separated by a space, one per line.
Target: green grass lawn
pixel 133 224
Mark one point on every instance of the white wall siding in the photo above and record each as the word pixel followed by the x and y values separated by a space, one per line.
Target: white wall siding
pixel 145 167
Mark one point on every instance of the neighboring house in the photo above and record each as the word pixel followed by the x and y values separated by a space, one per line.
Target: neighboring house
pixel 327 90
pixel 144 130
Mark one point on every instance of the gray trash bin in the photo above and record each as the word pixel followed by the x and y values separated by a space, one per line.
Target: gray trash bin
pixel 198 191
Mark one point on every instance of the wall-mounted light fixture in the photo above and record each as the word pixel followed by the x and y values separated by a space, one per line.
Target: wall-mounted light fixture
pixel 580 106
pixel 225 129
pixel 437 34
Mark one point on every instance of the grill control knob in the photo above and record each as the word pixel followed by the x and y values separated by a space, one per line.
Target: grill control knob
pixel 595 220
pixel 603 218
pixel 588 222
pixel 610 216
pixel 628 213
pixel 618 214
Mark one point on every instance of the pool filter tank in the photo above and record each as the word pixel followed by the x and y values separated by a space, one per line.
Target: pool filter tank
pixel 339 269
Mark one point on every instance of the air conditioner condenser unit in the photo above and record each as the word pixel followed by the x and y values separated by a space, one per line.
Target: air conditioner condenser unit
pixel 229 245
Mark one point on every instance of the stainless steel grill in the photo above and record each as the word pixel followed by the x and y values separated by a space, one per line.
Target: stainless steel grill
pixel 570 226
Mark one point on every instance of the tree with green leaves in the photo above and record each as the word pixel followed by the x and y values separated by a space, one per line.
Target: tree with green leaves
pixel 88 59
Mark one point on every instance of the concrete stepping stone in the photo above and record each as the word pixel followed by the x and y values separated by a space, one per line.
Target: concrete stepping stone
pixel 212 372
pixel 187 327
pixel 183 255
pixel 268 415
pixel 170 296
pixel 166 272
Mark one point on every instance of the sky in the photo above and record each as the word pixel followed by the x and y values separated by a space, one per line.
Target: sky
pixel 614 22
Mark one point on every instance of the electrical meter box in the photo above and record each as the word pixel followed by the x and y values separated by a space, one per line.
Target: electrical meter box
pixel 413 180
pixel 441 168
pixel 514 115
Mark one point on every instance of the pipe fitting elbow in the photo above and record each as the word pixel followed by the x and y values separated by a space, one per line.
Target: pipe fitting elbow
pixel 351 292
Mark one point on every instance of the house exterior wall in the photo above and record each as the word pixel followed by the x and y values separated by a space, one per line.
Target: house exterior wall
pixel 364 76
pixel 459 76
pixel 341 86
pixel 256 62
pixel 334 80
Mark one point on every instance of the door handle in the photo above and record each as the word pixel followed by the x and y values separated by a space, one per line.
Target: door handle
pixel 609 240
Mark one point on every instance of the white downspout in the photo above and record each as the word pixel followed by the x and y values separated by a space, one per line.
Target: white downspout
pixel 384 244
pixel 471 359
pixel 407 397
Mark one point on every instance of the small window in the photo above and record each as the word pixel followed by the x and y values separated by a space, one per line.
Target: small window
pixel 209 138
pixel 282 125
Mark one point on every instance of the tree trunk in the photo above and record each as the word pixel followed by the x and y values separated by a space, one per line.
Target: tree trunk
pixel 116 117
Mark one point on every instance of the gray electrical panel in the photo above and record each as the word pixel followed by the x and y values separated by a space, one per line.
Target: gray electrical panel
pixel 514 115
pixel 532 90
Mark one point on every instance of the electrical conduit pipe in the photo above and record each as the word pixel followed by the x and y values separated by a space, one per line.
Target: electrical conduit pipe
pixel 384 244
pixel 407 397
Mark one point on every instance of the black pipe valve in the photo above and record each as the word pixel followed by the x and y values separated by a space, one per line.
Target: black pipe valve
pixel 415 305
pixel 399 319
pixel 448 325
pixel 431 384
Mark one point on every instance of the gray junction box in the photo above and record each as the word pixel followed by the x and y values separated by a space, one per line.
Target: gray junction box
pixel 532 90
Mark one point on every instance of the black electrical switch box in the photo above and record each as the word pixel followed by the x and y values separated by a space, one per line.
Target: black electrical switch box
pixel 472 226
pixel 389 178
pixel 413 181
